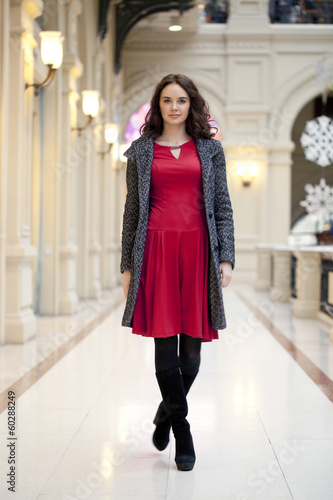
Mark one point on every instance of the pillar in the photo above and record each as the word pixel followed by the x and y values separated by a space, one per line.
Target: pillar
pixel 71 71
pixel 248 14
pixel 59 248
pixel 4 106
pixel 308 276
pixel 20 318
pixel 264 267
pixel 280 291
pixel 279 192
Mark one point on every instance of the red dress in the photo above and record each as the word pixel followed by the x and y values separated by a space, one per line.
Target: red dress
pixel 173 291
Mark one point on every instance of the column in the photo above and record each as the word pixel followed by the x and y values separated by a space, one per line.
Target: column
pixel 4 106
pixel 107 215
pixel 279 192
pixel 20 318
pixel 280 291
pixel 94 227
pixel 264 267
pixel 84 202
pixel 71 71
pixel 248 14
pixel 59 281
pixel 308 276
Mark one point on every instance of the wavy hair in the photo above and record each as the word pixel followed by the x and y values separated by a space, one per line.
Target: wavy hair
pixel 198 120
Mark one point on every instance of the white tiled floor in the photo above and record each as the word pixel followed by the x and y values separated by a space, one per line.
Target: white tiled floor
pixel 262 428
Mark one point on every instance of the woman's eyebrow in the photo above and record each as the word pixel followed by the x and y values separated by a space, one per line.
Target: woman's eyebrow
pixel 166 97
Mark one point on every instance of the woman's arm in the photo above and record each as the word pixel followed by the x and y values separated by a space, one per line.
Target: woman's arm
pixel 223 211
pixel 126 281
pixel 131 215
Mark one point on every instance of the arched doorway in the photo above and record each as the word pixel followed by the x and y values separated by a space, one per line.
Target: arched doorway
pixel 304 171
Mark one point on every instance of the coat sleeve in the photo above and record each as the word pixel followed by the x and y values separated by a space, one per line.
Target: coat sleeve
pixel 223 210
pixel 131 214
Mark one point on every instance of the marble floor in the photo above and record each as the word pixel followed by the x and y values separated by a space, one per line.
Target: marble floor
pixel 261 410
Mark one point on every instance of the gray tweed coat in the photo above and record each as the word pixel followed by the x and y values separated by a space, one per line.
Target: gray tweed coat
pixel 218 211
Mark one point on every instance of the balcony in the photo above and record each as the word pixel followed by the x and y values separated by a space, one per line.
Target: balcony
pixel 301 11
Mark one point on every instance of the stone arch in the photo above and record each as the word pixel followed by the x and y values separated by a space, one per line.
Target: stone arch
pixel 291 97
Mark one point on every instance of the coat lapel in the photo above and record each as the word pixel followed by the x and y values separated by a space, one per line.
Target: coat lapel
pixel 146 155
pixel 205 154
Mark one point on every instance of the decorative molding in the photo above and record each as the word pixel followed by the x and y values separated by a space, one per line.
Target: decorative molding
pixel 249 46
pixel 68 250
pixel 199 46
pixel 20 253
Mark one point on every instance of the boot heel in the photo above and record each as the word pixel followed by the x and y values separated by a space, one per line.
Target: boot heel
pixel 185 454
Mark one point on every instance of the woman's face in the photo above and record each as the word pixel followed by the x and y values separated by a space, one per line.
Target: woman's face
pixel 174 104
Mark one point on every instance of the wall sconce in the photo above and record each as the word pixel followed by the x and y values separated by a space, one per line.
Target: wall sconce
pixel 247 172
pixel 175 24
pixel 90 107
pixel 51 53
pixel 110 136
pixel 122 149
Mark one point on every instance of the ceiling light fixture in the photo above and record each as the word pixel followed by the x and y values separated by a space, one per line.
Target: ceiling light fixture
pixel 175 24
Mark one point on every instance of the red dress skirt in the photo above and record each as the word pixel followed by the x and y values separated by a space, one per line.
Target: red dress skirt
pixel 173 291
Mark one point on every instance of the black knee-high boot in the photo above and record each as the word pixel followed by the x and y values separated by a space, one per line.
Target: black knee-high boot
pixel 161 420
pixel 174 397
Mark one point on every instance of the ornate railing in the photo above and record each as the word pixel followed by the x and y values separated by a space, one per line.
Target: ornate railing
pixel 213 11
pixel 293 290
pixel 301 11
pixel 326 268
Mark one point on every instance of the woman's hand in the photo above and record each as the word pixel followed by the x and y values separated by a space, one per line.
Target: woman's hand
pixel 126 280
pixel 226 272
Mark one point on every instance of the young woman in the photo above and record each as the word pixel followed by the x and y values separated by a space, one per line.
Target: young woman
pixel 177 247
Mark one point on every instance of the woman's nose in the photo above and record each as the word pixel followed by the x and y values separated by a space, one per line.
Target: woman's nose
pixel 174 105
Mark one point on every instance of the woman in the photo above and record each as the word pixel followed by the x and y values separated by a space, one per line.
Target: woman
pixel 177 247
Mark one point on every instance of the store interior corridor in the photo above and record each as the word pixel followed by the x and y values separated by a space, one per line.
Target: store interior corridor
pixel 260 409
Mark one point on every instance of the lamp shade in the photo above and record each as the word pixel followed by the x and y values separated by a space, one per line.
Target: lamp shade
pixel 51 48
pixel 111 133
pixel 90 102
pixel 241 169
pixel 253 169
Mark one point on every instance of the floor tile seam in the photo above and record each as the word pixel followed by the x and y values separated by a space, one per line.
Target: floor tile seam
pixel 27 380
pixel 274 452
pixel 318 377
pixel 53 471
pixel 57 463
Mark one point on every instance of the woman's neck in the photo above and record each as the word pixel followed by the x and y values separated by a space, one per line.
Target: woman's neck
pixel 173 135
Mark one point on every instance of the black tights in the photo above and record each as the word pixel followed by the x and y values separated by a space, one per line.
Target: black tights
pixel 166 356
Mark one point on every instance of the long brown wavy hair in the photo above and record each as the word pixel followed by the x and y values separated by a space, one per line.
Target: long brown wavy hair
pixel 198 120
